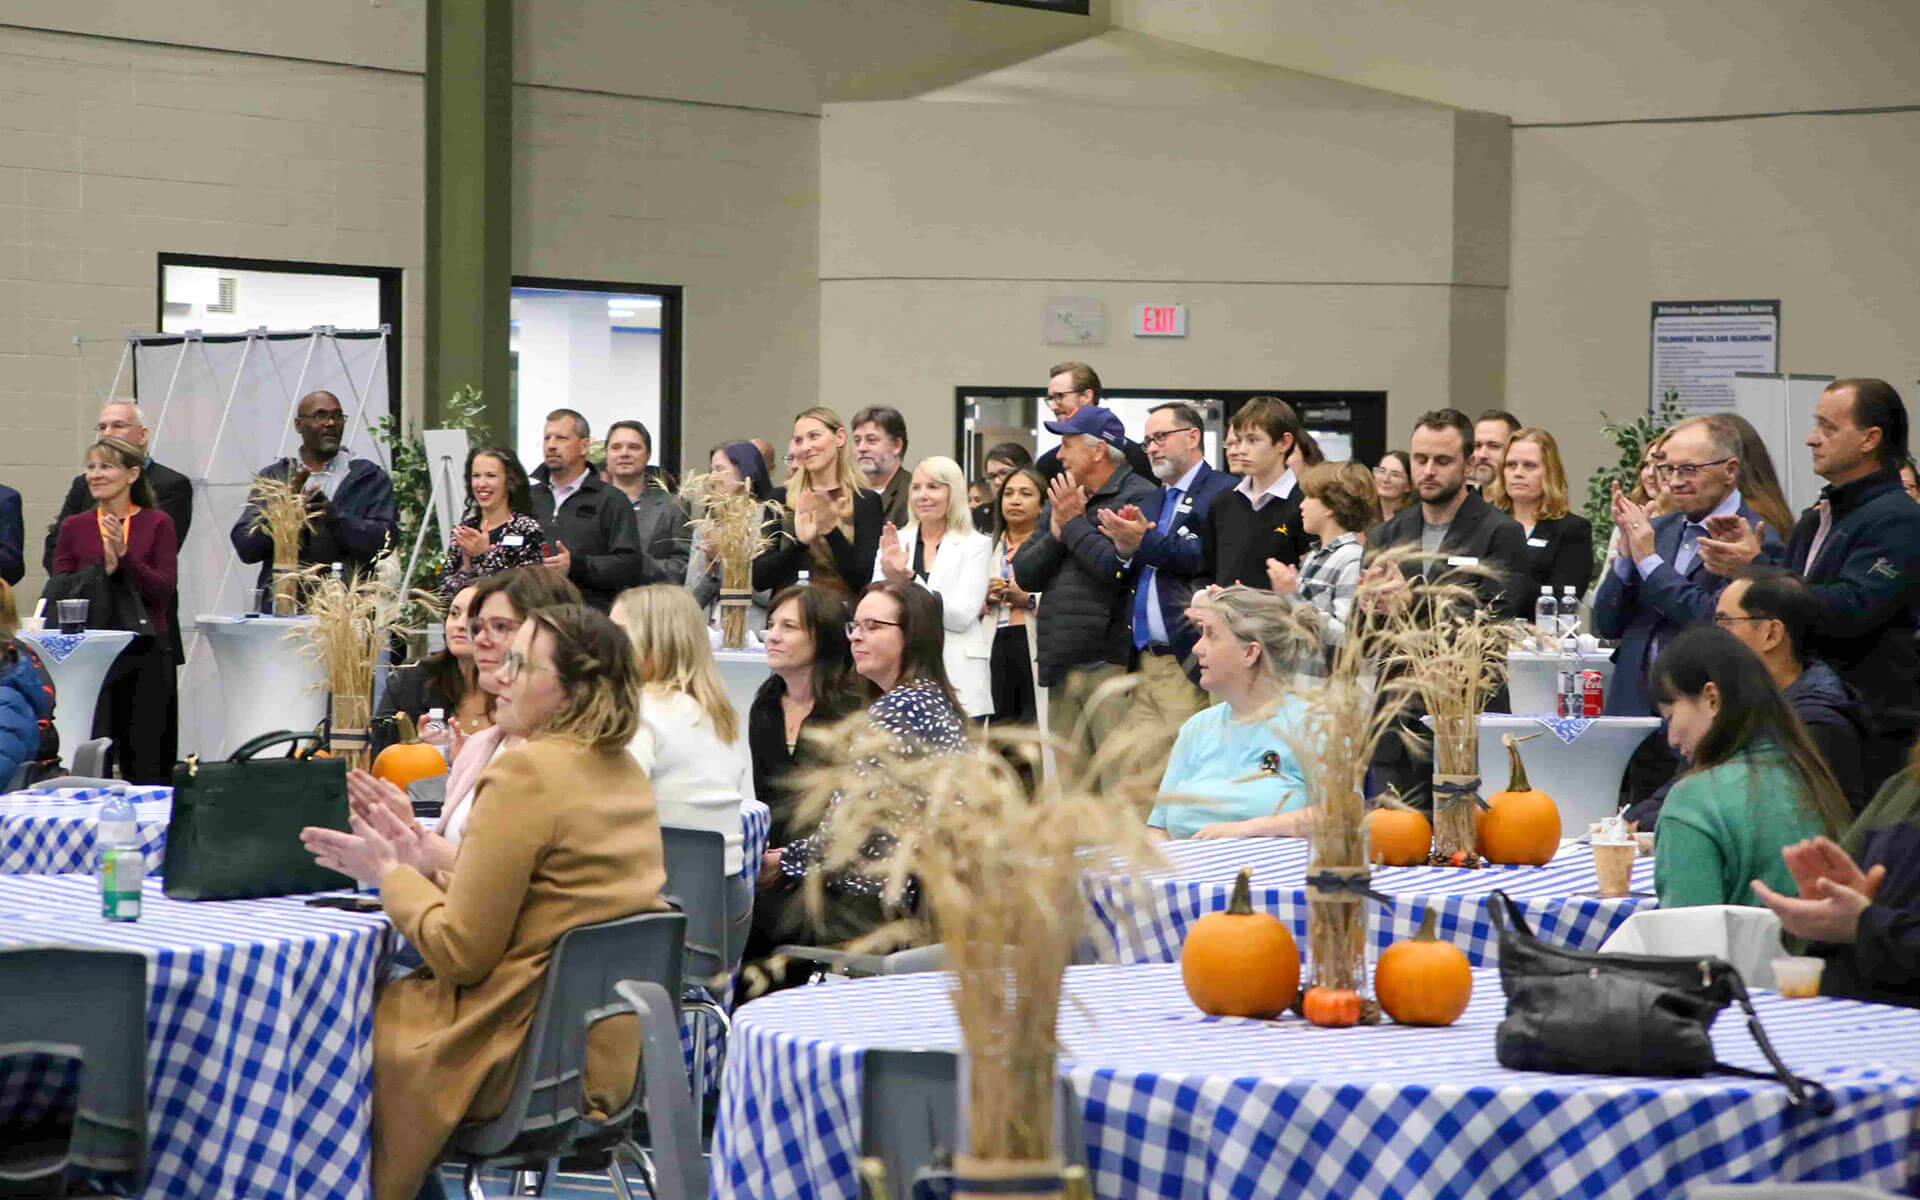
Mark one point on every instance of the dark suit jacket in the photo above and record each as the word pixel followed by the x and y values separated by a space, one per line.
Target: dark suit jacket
pixel 1177 560
pixel 13 537
pixel 1646 613
pixel 174 492
pixel 150 563
pixel 1479 532
pixel 660 527
pixel 894 499
pixel 596 526
pixel 1560 556
pixel 361 523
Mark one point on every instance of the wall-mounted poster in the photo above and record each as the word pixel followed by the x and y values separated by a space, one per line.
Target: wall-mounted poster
pixel 1698 345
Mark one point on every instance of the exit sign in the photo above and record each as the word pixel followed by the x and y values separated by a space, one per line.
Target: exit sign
pixel 1159 320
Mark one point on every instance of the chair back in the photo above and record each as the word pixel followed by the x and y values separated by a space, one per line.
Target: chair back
pixel 696 861
pixel 909 1108
pixel 95 1001
pixel 90 758
pixel 548 1103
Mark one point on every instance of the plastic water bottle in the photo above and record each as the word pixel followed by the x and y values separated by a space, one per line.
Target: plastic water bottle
pixel 433 730
pixel 1569 612
pixel 122 864
pixel 1572 698
pixel 1546 613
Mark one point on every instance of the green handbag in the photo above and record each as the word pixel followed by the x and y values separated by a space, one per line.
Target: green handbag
pixel 235 828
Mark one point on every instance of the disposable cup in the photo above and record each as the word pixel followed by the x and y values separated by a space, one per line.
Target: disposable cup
pixel 1798 977
pixel 1613 863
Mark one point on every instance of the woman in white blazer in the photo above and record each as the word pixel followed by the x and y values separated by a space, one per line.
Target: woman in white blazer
pixel 942 552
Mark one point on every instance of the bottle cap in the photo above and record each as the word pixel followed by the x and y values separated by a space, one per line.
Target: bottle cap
pixel 435 714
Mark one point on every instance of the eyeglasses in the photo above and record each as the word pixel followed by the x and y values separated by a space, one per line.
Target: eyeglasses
pixel 1051 395
pixel 1685 470
pixel 1721 619
pixel 1154 439
pixel 327 417
pixel 499 627
pixel 514 662
pixel 868 626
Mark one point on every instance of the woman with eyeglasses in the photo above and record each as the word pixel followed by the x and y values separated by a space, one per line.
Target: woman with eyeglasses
pixel 896 636
pixel 564 834
pixel 1530 485
pixel 1393 483
pixel 499 606
pixel 499 531
pixel 445 680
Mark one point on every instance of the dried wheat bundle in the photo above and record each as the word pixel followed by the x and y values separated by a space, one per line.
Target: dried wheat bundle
pixel 998 870
pixel 352 620
pixel 280 511
pixel 732 524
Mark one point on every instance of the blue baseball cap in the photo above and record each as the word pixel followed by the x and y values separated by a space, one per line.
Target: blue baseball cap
pixel 1093 421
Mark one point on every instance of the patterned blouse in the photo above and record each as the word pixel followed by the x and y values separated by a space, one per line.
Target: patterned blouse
pixel 921 720
pixel 520 541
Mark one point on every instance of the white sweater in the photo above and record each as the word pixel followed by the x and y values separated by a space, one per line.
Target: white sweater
pixel 698 780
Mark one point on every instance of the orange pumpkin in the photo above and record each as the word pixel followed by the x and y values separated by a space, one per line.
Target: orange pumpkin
pixel 1240 963
pixel 1332 1008
pixel 1423 980
pixel 408 759
pixel 1400 837
pixel 1520 826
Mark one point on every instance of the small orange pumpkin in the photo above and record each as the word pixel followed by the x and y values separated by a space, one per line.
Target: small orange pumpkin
pixel 1331 1008
pixel 1520 826
pixel 1423 980
pixel 1399 836
pixel 1240 963
pixel 408 759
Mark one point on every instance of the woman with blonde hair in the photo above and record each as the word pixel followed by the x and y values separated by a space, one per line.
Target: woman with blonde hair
pixel 1232 772
pixel 563 834
pixel 831 528
pixel 1530 485
pixel 943 553
pixel 689 742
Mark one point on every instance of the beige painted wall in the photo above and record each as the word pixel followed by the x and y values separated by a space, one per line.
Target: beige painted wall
pixel 1816 211
pixel 1321 234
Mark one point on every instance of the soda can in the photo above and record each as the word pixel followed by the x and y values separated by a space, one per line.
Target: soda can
pixel 1593 693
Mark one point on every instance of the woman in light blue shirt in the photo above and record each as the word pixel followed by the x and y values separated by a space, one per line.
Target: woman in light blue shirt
pixel 1232 773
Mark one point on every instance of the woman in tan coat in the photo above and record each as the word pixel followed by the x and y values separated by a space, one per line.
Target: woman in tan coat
pixel 563 833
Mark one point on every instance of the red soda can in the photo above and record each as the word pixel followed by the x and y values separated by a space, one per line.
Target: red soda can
pixel 1593 693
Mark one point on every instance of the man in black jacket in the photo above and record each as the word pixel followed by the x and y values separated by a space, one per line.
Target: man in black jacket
pixel 1859 551
pixel 594 541
pixel 350 499
pixel 1072 386
pixel 1085 623
pixel 122 419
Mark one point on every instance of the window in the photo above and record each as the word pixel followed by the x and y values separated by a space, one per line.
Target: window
pixel 608 351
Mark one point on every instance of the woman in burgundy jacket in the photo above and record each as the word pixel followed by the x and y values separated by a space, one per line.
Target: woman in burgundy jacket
pixel 125 541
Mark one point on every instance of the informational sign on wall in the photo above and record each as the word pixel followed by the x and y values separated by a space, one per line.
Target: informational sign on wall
pixel 1698 345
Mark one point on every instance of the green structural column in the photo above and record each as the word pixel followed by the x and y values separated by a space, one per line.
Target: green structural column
pixel 469 201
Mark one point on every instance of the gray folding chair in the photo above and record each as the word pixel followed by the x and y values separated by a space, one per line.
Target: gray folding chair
pixel 698 882
pixel 597 971
pixel 90 758
pixel 74 1002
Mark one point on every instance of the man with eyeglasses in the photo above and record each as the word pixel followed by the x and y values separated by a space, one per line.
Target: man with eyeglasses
pixel 1002 461
pixel 122 419
pixel 350 499
pixel 1072 386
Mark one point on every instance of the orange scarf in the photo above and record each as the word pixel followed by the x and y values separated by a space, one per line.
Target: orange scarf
pixel 126 527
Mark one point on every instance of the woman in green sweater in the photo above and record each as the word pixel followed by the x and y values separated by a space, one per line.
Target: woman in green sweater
pixel 1756 783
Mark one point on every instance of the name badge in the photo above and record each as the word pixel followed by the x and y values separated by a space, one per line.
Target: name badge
pixel 513 539
pixel 1537 543
pixel 1463 560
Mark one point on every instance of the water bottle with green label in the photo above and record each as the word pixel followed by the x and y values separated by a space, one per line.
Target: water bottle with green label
pixel 122 864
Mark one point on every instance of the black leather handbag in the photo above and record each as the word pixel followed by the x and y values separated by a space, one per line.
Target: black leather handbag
pixel 235 828
pixel 1581 1012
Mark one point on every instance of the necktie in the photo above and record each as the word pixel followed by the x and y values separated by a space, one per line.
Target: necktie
pixel 1825 508
pixel 1143 594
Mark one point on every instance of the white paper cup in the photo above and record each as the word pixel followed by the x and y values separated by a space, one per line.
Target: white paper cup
pixel 1798 976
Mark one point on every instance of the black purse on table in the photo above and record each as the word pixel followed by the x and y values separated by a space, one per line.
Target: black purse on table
pixel 235 828
pixel 1581 1012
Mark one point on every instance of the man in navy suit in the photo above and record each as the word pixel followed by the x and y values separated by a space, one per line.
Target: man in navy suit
pixel 1661 584
pixel 1166 542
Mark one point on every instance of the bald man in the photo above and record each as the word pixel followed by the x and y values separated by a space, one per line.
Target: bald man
pixel 122 419
pixel 351 499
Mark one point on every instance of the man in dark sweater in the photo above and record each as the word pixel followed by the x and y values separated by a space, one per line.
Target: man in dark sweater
pixel 1859 551
pixel 1072 386
pixel 1260 518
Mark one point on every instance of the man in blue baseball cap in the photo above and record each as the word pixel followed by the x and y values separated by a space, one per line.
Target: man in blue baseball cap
pixel 1085 623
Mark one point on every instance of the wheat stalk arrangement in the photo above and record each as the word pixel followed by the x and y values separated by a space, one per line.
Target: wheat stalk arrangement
pixel 732 523
pixel 280 511
pixel 352 620
pixel 998 869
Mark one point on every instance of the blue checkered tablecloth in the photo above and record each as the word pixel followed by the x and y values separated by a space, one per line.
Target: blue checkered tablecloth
pixel 1146 920
pixel 52 832
pixel 756 823
pixel 259 1034
pixel 1175 1104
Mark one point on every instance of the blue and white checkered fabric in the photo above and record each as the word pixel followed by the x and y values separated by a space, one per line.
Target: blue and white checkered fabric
pixel 53 833
pixel 1567 729
pixel 1174 1104
pixel 259 1034
pixel 756 823
pixel 1148 921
